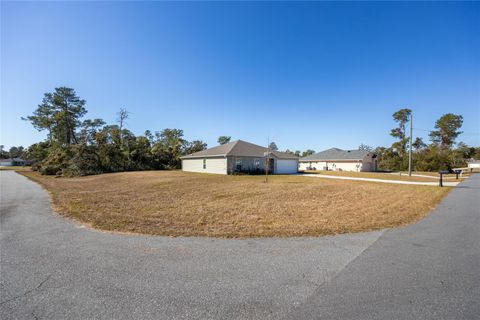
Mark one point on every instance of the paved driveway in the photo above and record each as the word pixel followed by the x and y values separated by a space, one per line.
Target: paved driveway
pixel 52 268
pixel 425 183
pixel 429 270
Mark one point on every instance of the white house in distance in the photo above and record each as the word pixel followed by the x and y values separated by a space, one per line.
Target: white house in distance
pixel 340 160
pixel 13 162
pixel 473 164
pixel 239 156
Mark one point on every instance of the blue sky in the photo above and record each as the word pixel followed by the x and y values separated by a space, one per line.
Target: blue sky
pixel 307 75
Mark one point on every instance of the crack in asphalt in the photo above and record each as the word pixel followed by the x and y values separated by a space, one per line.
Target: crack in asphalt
pixel 28 291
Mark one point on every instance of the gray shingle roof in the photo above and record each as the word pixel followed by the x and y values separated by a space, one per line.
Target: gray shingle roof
pixel 238 148
pixel 337 154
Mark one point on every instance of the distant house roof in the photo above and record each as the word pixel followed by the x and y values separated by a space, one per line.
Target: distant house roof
pixel 337 154
pixel 239 148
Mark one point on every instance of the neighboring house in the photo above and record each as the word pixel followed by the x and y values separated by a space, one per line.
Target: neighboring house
pixel 473 163
pixel 239 156
pixel 13 162
pixel 340 160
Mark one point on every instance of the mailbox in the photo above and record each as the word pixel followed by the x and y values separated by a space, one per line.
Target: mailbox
pixel 442 172
pixel 457 172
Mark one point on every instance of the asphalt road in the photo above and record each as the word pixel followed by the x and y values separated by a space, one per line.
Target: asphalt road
pixel 429 270
pixel 52 268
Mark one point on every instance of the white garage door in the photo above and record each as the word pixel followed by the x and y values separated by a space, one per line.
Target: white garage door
pixel 287 166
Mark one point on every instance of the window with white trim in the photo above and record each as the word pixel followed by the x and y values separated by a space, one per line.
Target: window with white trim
pixel 238 164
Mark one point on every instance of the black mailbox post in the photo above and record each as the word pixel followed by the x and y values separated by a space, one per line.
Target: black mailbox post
pixel 440 182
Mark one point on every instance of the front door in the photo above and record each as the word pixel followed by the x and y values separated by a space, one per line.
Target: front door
pixel 271 164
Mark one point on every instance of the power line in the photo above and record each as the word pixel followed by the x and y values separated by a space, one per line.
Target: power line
pixel 417 129
pixel 464 133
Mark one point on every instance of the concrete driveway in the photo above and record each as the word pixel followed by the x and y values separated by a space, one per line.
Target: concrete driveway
pixel 425 183
pixel 52 268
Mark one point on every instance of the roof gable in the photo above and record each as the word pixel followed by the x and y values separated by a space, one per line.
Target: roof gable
pixel 247 149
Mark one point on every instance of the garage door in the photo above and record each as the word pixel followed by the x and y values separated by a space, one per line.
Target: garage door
pixel 287 166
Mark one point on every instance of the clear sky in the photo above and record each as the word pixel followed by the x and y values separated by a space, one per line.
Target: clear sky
pixel 307 75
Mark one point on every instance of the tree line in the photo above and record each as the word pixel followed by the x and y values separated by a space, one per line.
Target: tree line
pixel 78 146
pixel 13 152
pixel 442 153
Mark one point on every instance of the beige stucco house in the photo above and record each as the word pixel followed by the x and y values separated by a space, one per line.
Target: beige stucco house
pixel 340 160
pixel 473 164
pixel 240 156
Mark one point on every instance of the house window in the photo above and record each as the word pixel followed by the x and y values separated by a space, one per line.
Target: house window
pixel 238 164
pixel 204 163
pixel 256 163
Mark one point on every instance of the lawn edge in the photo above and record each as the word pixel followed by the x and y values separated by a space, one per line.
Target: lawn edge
pixel 57 211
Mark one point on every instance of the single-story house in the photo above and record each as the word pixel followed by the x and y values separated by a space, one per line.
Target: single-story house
pixel 13 162
pixel 340 160
pixel 473 163
pixel 240 156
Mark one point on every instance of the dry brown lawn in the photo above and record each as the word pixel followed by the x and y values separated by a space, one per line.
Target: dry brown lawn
pixel 176 203
pixel 16 168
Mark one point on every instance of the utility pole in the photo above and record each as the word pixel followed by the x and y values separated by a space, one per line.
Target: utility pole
pixel 267 160
pixel 410 151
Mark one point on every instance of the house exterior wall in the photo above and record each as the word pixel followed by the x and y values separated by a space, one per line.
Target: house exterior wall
pixel 474 165
pixel 318 165
pixel 353 165
pixel 247 163
pixel 228 165
pixel 212 165
pixel 14 162
pixel 369 163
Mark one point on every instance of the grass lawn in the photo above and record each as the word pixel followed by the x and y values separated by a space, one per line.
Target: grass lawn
pixel 16 168
pixel 176 203
pixel 382 175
